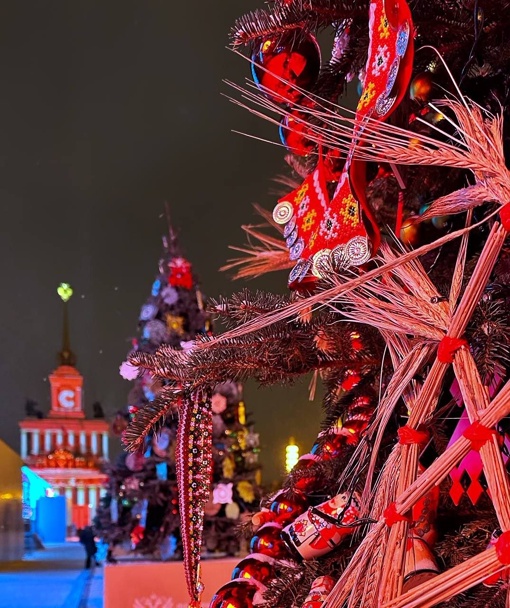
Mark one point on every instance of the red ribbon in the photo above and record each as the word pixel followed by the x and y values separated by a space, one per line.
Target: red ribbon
pixel 392 517
pixel 503 548
pixel 478 434
pixel 409 436
pixel 448 347
pixel 504 216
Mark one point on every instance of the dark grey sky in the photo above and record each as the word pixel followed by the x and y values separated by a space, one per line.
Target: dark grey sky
pixel 107 109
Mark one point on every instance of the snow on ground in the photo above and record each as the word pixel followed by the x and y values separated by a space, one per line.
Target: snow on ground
pixel 51 578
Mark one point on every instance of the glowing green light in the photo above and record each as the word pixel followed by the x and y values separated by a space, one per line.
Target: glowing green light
pixel 65 291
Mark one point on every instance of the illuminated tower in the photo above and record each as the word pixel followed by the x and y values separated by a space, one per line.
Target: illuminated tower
pixel 66 449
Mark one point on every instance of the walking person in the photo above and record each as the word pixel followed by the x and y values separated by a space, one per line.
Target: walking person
pixel 86 536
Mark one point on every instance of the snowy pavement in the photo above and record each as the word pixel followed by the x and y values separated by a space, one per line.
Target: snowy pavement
pixel 51 578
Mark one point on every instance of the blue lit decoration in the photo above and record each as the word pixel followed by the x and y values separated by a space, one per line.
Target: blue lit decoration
pixel 33 488
pixel 162 470
pixel 148 312
pixel 149 395
pixel 156 286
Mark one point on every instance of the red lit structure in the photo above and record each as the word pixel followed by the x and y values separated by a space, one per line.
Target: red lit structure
pixel 67 449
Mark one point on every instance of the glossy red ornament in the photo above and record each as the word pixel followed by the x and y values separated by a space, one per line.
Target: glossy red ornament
pixel 293 134
pixel 287 508
pixel 287 61
pixel 304 482
pixel 351 380
pixel 238 593
pixel 256 566
pixel 268 541
pixel 329 445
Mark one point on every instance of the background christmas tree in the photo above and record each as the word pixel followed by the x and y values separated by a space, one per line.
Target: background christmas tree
pixel 140 513
pixel 403 501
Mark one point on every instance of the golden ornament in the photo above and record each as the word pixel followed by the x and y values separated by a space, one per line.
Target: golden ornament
pixel 245 491
pixel 228 467
pixel 175 323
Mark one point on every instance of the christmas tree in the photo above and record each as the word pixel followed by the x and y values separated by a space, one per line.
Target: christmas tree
pixel 140 514
pixel 395 234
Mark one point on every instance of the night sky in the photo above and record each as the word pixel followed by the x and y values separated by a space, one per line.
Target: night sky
pixel 108 109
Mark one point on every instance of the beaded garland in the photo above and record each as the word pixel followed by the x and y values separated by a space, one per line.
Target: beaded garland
pixel 194 470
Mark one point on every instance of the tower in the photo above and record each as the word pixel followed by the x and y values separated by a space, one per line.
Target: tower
pixel 67 449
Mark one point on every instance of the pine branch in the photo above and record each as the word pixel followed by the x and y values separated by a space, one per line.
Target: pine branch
pixel 151 417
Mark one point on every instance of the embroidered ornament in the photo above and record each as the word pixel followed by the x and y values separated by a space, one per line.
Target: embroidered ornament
pixel 337 233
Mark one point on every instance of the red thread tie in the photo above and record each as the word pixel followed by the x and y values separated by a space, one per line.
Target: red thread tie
pixel 478 434
pixel 504 216
pixel 448 347
pixel 409 436
pixel 391 516
pixel 503 548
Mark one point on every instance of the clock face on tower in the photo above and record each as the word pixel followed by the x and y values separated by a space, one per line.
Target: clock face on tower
pixel 66 398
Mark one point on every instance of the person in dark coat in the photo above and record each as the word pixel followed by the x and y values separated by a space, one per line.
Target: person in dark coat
pixel 86 537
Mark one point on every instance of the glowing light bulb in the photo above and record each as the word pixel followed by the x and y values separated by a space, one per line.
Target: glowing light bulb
pixel 291 455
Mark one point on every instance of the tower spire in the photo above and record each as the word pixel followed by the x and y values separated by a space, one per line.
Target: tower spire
pixel 66 355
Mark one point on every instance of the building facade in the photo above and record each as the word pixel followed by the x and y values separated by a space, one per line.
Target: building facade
pixel 65 448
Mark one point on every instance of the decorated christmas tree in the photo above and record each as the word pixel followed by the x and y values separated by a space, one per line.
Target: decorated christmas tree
pixel 395 235
pixel 140 513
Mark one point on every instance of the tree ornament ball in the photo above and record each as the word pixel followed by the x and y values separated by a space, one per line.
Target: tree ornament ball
pixel 293 134
pixel 238 593
pixel 286 508
pixel 287 61
pixel 304 479
pixel 421 87
pixel 409 233
pixel 257 567
pixel 329 446
pixel 268 541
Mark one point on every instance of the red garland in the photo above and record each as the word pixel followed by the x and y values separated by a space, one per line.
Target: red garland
pixel 503 548
pixel 478 434
pixel 504 216
pixel 410 436
pixel 448 347
pixel 392 517
pixel 193 461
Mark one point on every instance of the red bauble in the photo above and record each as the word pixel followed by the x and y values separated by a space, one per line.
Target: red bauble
pixel 257 567
pixel 280 64
pixel 293 134
pixel 268 541
pixel 303 482
pixel 286 509
pixel 239 593
pixel 350 381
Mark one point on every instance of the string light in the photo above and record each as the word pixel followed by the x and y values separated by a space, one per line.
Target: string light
pixel 291 455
